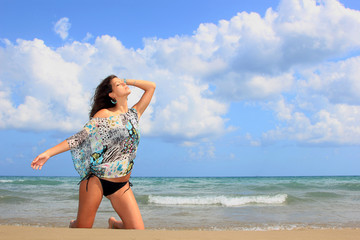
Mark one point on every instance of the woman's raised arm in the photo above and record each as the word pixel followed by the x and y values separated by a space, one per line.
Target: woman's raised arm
pixel 148 87
pixel 40 160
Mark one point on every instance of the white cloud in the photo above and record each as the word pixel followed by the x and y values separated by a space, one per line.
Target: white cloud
pixel 87 37
pixel 40 89
pixel 202 151
pixel 189 114
pixel 9 160
pixel 251 141
pixel 249 51
pixel 56 86
pixel 243 86
pixel 326 108
pixel 62 27
pixel 337 81
pixel 248 57
pixel 334 124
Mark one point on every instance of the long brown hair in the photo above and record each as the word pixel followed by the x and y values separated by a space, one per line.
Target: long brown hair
pixel 101 97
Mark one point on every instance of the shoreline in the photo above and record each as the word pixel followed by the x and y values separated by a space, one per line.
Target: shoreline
pixel 39 233
pixel 206 229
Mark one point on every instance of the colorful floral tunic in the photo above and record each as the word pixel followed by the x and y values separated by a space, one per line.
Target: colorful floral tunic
pixel 106 147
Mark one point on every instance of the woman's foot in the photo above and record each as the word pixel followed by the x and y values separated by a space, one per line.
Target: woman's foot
pixel 72 224
pixel 113 224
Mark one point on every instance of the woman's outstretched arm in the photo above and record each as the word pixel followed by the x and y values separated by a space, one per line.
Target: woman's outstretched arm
pixel 40 160
pixel 148 87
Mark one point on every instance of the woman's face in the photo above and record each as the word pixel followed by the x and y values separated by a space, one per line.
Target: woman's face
pixel 119 89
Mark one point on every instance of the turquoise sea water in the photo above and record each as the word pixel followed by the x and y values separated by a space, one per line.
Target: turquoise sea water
pixel 239 203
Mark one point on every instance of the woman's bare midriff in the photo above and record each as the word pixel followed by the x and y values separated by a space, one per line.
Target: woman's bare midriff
pixel 120 179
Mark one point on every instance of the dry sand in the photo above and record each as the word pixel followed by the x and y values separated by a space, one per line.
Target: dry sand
pixel 39 233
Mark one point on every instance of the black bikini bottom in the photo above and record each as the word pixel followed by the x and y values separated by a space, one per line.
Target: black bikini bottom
pixel 108 186
pixel 111 187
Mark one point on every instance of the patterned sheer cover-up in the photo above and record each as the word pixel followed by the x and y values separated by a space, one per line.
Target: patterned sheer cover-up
pixel 106 147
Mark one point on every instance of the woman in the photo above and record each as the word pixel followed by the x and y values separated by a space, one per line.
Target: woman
pixel 103 153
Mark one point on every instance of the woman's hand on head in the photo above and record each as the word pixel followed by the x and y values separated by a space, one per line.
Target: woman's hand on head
pixel 39 161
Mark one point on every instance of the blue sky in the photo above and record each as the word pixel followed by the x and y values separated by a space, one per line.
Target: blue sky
pixel 244 88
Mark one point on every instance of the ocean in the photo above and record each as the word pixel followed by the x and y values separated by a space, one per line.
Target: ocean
pixel 199 203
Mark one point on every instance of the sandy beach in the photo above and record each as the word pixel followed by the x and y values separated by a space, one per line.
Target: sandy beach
pixel 39 233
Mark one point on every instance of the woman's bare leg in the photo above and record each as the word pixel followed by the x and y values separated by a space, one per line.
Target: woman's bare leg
pixel 89 202
pixel 125 205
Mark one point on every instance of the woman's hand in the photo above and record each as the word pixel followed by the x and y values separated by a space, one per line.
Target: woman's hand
pixel 39 161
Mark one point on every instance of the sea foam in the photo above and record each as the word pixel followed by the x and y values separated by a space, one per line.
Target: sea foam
pixel 219 200
pixel 6 181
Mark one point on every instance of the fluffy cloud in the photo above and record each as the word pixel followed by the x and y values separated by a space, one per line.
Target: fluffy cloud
pixel 335 124
pixel 285 53
pixel 62 27
pixel 326 108
pixel 337 81
pixel 251 57
pixel 39 89
pixel 54 87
